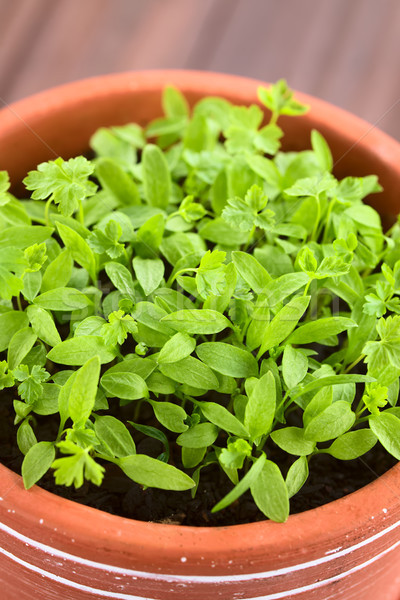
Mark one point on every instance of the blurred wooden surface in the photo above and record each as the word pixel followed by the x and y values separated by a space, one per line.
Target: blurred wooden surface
pixel 345 51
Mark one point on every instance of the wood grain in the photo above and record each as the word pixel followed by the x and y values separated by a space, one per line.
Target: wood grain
pixel 345 51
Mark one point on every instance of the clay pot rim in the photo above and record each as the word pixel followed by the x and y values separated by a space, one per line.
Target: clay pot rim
pixel 82 522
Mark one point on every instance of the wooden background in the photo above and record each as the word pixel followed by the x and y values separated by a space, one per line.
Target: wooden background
pixel 345 51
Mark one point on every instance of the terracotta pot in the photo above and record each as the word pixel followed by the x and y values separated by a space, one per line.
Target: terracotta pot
pixel 52 548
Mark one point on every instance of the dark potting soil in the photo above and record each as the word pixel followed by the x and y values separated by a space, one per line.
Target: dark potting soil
pixel 329 480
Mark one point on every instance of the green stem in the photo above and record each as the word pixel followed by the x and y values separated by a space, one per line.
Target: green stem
pixel 250 238
pixel 317 220
pixel 353 364
pixel 106 457
pixel 81 214
pixel 274 118
pixel 278 408
pixel 363 419
pixel 327 222
pixel 137 411
pixel 307 287
pixel 19 303
pixel 174 276
pixel 359 413
pixel 47 211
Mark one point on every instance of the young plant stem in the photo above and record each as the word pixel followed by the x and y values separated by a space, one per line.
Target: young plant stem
pixel 81 214
pixel 47 212
pixel 19 303
pixel 314 235
pixel 174 276
pixel 353 364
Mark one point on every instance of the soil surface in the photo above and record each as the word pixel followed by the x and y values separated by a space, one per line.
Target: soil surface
pixel 329 480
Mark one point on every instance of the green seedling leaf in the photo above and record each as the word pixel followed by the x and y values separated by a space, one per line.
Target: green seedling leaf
pixel 243 485
pixel 124 385
pixel 37 462
pixel 43 325
pixel 117 182
pixel 228 360
pixel 320 330
pixel 20 344
pixel 197 321
pixel 260 409
pixel 76 351
pixel 156 177
pixel 282 287
pixel 297 476
pixel 294 366
pixel 24 236
pixel 234 455
pixel 170 415
pixel 83 391
pixel 332 422
pixel 80 250
pixel 31 388
pixel 153 473
pixel 6 379
pixel 284 322
pixel 5 197
pixel 252 271
pixel 352 444
pixel 58 272
pixel 63 299
pixel 199 436
pixel 322 399
pixel 292 440
pixel 224 419
pixel 270 493
pixel 178 347
pixel 386 428
pixel 118 327
pixel 322 151
pixel 174 102
pixel 149 273
pixel 10 323
pixel 331 380
pixel 191 372
pixel 115 436
pixel 26 437
pixel 121 278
